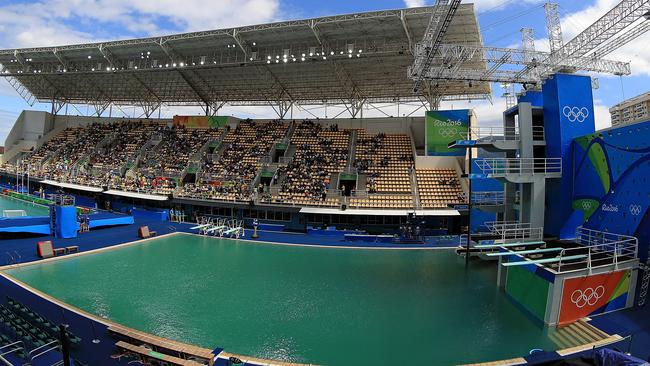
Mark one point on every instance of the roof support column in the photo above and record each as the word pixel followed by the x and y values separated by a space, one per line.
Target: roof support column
pixel 356 107
pixel 148 108
pixel 211 109
pixel 282 107
pixel 57 105
pixel 431 96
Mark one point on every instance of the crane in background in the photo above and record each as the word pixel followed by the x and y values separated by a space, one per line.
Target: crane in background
pixel 526 66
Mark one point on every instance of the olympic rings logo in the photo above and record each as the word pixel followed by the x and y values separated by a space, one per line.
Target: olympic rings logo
pixel 635 210
pixel 586 205
pixel 574 114
pixel 448 132
pixel 588 296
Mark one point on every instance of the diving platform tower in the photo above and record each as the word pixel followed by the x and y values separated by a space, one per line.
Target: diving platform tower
pixel 535 141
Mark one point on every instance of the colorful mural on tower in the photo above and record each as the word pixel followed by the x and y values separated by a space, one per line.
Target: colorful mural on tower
pixel 611 189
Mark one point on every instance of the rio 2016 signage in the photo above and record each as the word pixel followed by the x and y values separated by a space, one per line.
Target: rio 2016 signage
pixel 443 127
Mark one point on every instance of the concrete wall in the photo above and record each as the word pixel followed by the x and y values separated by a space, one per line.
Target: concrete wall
pixel 29 128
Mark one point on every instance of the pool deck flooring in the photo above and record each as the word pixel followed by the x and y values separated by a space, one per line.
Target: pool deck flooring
pixel 25 247
pixel 630 322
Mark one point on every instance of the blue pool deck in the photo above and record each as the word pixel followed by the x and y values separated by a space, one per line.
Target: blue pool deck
pixel 107 237
pixel 631 323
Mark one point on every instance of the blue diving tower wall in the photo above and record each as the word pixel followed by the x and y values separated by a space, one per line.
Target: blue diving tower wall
pixel 612 182
pixel 568 113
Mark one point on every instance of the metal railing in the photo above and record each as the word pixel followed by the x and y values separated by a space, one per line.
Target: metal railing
pixel 43 350
pixel 10 348
pixel 488 198
pixel 497 227
pixel 515 234
pixel 502 133
pixel 599 248
pixel 285 159
pixel 502 166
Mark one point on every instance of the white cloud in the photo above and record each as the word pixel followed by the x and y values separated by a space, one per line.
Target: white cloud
pixel 414 3
pixel 7 119
pixel 54 22
pixel 495 5
pixel 601 115
pixel 634 52
pixel 480 5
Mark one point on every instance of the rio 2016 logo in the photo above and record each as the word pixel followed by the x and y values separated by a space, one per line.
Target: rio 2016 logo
pixel 609 208
pixel 575 114
pixel 447 123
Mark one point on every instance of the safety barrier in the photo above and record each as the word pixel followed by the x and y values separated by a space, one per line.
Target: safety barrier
pixel 503 166
pixel 600 248
pixel 502 133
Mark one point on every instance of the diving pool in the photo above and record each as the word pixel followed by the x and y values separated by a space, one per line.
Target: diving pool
pixel 329 306
pixel 8 203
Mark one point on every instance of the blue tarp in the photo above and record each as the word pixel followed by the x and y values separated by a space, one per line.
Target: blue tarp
pixel 608 357
pixel 26 224
pixel 102 219
pixel 66 222
pixel 161 215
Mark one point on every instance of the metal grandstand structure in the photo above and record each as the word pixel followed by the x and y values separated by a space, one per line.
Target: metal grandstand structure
pixel 346 59
pixel 425 55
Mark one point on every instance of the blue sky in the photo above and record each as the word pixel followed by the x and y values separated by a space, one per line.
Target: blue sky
pixel 27 23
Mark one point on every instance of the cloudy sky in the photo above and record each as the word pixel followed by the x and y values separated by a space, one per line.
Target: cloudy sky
pixel 28 23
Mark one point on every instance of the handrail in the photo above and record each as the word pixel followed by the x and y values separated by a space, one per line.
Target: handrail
pixel 55 348
pixel 488 198
pixel 11 345
pixel 607 245
pixel 501 133
pixel 500 166
pixel 498 226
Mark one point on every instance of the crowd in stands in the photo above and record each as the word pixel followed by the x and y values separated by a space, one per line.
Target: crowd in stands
pixel 439 187
pixel 320 151
pixel 230 177
pixel 177 146
pixel 153 157
pixel 387 161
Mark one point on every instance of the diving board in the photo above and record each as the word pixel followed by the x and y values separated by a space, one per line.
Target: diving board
pixel 230 231
pixel 215 228
pixel 518 244
pixel 199 226
pixel 546 260
pixel 530 251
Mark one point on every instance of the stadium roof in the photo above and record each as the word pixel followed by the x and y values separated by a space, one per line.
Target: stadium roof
pixel 347 58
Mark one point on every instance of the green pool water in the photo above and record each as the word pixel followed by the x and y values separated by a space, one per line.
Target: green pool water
pixel 301 304
pixel 8 203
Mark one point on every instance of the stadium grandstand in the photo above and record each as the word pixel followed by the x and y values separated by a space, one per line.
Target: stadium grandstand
pixel 422 238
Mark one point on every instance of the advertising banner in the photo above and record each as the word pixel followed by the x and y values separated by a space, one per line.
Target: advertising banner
pixel 591 295
pixel 443 127
pixel 200 121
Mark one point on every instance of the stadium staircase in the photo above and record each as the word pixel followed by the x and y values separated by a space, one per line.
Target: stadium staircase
pixel 414 189
pixel 149 147
pixel 579 334
pixel 352 148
